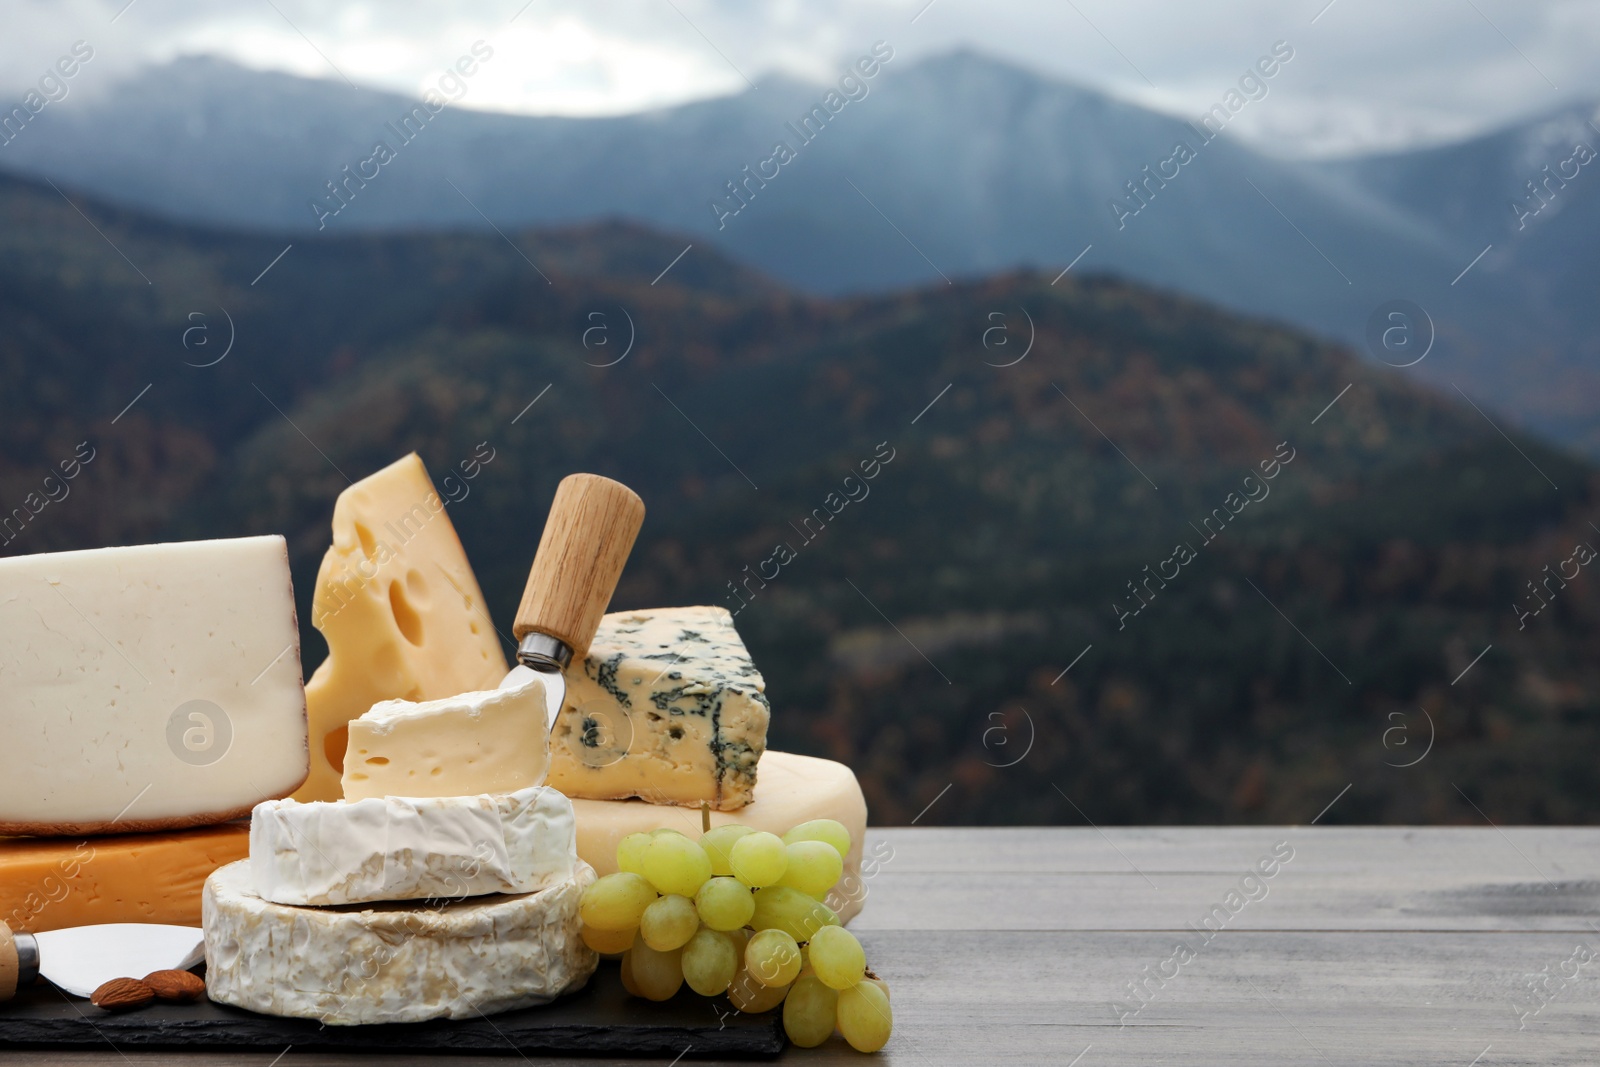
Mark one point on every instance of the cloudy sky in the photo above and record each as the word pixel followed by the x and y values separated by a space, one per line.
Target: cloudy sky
pixel 1367 73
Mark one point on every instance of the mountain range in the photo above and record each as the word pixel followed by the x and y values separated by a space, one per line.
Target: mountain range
pixel 954 168
pixel 1130 558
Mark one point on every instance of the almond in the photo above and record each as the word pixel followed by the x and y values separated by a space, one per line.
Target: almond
pixel 182 987
pixel 122 994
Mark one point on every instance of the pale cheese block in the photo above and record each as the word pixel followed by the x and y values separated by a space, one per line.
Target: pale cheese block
pixel 492 741
pixel 392 963
pixel 794 789
pixel 55 883
pixel 149 687
pixel 395 848
pixel 667 707
pixel 400 608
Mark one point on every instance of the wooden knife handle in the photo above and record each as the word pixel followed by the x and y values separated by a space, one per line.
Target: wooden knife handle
pixel 592 525
pixel 10 963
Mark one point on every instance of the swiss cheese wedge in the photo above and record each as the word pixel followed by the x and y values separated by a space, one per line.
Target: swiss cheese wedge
pixel 400 608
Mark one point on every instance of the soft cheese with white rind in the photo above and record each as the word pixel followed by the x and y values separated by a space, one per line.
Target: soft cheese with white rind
pixel 668 707
pixel 399 848
pixel 794 789
pixel 493 741
pixel 392 963
pixel 401 609
pixel 149 687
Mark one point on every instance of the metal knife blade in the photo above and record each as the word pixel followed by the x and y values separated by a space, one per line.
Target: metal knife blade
pixel 555 687
pixel 81 959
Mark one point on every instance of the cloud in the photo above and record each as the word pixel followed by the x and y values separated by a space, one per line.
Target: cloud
pixel 1368 73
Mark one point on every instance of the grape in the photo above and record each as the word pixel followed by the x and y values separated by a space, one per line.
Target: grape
pixel 656 975
pixel 828 830
pixel 779 907
pixel 864 1017
pixel 627 974
pixel 615 901
pixel 809 1012
pixel 758 859
pixel 675 864
pixel 813 867
pixel 837 957
pixel 669 923
pixel 847 890
pixel 658 831
pixel 710 962
pixel 609 942
pixel 772 958
pixel 872 979
pixel 718 843
pixel 725 903
pixel 630 853
pixel 750 995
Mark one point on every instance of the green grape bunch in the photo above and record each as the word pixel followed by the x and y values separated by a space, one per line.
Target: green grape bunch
pixel 743 913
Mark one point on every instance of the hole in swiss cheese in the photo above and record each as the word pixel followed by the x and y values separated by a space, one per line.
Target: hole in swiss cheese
pixel 405 616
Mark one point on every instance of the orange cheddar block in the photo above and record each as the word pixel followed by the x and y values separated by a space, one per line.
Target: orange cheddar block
pixel 50 883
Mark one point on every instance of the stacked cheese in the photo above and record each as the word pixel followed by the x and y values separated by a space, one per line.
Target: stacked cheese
pixel 150 694
pixel 668 711
pixel 423 871
pixel 444 885
pixel 665 713
pixel 401 610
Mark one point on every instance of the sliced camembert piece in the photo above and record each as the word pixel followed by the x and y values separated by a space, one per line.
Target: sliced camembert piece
pixel 396 848
pixel 493 741
pixel 392 963
pixel 667 707
pixel 401 610
pixel 148 688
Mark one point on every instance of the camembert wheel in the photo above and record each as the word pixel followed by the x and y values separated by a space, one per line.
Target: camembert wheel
pixel 391 963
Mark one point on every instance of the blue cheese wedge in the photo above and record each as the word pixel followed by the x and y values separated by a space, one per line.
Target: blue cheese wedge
pixel 667 707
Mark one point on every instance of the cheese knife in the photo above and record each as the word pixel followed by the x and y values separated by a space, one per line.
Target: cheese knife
pixel 82 959
pixel 591 529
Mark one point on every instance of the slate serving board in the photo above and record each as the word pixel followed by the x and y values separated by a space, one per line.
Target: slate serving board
pixel 602 1018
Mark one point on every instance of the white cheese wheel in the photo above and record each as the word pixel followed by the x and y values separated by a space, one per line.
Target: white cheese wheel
pixel 408 848
pixel 392 963
pixel 793 789
pixel 147 688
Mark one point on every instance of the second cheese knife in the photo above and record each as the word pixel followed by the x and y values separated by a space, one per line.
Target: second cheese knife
pixel 83 958
pixel 591 529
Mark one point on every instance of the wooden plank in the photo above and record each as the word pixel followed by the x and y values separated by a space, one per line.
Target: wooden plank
pixel 1245 999
pixel 1293 900
pixel 1516 852
pixel 1373 946
pixel 1269 998
pixel 1335 878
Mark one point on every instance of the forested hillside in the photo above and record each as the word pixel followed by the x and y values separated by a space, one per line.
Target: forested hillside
pixel 1255 574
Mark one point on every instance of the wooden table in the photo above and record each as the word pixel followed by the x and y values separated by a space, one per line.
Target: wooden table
pixel 1365 946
